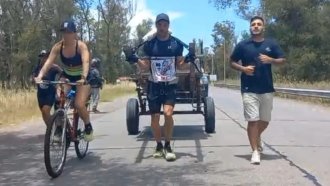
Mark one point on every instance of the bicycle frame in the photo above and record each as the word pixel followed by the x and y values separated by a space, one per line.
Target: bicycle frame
pixel 65 104
pixel 69 130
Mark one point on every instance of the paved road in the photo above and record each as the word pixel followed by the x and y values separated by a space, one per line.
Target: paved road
pixel 296 153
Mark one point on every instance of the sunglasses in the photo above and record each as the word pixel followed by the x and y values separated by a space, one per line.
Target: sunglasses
pixel 258 24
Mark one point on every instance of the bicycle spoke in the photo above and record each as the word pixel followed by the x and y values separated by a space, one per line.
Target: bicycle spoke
pixel 55 145
pixel 81 146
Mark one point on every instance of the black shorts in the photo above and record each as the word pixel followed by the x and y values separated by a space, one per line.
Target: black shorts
pixel 72 79
pixel 160 94
pixel 46 98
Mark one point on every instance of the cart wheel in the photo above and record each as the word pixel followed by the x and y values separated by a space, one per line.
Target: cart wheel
pixel 209 115
pixel 132 116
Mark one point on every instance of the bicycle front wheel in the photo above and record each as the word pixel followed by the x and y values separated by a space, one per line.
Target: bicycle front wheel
pixel 55 144
pixel 81 145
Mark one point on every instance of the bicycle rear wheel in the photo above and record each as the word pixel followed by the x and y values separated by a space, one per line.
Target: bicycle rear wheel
pixel 55 140
pixel 80 145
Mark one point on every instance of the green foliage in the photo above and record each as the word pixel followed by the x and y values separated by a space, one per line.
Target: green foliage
pixel 224 41
pixel 301 27
pixel 143 28
pixel 28 26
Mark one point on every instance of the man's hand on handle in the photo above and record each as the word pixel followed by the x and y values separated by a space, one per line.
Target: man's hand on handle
pixel 130 55
pixel 189 58
pixel 37 80
pixel 133 58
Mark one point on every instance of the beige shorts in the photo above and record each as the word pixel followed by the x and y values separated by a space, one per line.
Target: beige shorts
pixel 258 106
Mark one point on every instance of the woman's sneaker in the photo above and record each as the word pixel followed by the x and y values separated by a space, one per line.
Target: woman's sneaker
pixel 89 133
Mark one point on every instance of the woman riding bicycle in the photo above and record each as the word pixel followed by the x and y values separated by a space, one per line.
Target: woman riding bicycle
pixel 75 59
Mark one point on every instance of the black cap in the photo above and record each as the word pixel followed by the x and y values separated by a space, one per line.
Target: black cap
pixel 163 17
pixel 69 26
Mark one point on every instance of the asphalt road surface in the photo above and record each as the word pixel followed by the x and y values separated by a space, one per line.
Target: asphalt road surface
pixel 297 150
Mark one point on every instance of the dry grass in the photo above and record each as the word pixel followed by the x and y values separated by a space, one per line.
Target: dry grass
pixel 22 105
pixel 110 92
pixel 323 85
pixel 313 100
pixel 17 106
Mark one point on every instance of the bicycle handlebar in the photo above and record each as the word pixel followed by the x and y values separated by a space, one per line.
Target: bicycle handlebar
pixel 59 83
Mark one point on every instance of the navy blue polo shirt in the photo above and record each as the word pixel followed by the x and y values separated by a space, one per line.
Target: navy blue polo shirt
pixel 248 52
pixel 168 48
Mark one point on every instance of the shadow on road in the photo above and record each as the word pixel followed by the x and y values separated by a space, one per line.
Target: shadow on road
pixel 22 163
pixel 100 112
pixel 180 132
pixel 21 158
pixel 93 170
pixel 263 156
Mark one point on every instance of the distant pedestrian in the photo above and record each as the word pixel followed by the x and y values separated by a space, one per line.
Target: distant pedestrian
pixel 96 83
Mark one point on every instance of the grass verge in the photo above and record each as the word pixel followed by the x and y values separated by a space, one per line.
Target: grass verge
pixel 17 106
pixel 111 92
pixel 22 105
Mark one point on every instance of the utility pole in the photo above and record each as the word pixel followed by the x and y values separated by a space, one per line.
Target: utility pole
pixel 224 61
pixel 212 71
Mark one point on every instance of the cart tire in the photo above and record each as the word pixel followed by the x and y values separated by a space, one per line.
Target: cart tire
pixel 209 115
pixel 132 116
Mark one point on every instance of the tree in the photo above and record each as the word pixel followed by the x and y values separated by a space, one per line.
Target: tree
pixel 224 40
pixel 25 29
pixel 112 34
pixel 294 25
pixel 143 28
pixel 243 8
pixel 301 27
pixel 85 19
pixel 28 26
pixel 245 35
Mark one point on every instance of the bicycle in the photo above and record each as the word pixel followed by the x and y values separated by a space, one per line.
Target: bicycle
pixel 59 124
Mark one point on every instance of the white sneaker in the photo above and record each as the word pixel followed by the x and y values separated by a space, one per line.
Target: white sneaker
pixel 169 154
pixel 255 159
